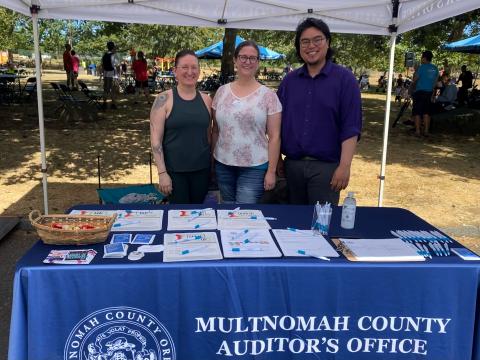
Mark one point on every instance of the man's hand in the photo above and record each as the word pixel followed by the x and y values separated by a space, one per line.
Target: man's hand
pixel 269 181
pixel 340 177
pixel 165 184
pixel 280 168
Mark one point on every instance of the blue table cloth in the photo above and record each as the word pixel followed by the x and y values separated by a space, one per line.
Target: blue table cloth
pixel 287 308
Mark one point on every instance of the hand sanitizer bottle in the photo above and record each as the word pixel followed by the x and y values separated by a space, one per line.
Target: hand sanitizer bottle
pixel 348 211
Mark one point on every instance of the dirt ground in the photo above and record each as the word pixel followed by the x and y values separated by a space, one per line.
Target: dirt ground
pixel 437 178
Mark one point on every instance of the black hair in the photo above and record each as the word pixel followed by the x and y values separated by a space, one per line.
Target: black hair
pixel 183 53
pixel 141 56
pixel 72 52
pixel 318 24
pixel 427 54
pixel 245 44
pixel 110 46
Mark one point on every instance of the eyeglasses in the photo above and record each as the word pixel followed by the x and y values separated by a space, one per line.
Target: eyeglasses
pixel 251 59
pixel 186 68
pixel 316 41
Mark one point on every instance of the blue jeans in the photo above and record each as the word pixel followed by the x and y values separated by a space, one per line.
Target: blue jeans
pixel 241 185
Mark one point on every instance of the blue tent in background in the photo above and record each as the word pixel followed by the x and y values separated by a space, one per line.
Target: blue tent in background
pixel 215 51
pixel 470 45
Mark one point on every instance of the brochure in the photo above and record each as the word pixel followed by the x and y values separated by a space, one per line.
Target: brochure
pixel 191 247
pixel 75 257
pixel 242 219
pixel 248 243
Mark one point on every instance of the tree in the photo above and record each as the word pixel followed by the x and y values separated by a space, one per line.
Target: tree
pixel 227 68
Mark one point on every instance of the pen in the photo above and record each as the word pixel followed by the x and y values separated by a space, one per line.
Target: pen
pixel 233 211
pixel 189 251
pixel 200 224
pixel 255 217
pixel 435 250
pixel 196 214
pixel 301 233
pixel 303 252
pixel 239 234
pixel 236 249
pixel 426 251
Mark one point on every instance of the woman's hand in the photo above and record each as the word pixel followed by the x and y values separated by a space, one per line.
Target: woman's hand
pixel 269 181
pixel 165 183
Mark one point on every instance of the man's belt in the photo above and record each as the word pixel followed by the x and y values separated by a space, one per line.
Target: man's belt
pixel 309 158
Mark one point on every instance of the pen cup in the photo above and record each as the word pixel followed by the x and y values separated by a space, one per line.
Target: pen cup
pixel 321 221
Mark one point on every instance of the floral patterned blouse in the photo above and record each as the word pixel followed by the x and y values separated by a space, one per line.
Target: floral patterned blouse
pixel 242 125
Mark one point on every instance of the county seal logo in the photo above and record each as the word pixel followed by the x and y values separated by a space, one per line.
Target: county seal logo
pixel 119 333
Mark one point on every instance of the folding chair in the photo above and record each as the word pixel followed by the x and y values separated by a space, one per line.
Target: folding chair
pixel 135 194
pixel 30 87
pixel 92 96
pixel 65 108
pixel 85 111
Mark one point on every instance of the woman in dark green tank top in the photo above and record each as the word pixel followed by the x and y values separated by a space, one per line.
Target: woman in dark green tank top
pixel 180 124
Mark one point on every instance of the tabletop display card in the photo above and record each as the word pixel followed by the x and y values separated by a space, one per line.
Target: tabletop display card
pixel 248 243
pixel 75 257
pixel 303 243
pixel 393 249
pixel 191 247
pixel 241 219
pixel 130 220
pixel 193 219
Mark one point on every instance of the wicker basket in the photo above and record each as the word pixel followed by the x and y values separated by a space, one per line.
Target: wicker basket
pixel 55 236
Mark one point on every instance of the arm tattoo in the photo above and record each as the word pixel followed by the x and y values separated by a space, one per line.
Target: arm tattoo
pixel 157 149
pixel 160 101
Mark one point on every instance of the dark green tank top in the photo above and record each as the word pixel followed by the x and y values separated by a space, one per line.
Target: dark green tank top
pixel 185 141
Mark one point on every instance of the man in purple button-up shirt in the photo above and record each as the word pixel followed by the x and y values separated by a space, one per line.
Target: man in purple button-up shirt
pixel 321 119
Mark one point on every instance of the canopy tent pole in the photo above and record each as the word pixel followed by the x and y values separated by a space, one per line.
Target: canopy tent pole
pixel 38 73
pixel 386 126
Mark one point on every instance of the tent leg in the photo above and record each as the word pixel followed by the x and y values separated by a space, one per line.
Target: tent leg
pixel 386 126
pixel 38 73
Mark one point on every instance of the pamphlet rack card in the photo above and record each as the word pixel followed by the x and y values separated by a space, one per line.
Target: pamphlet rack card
pixel 71 229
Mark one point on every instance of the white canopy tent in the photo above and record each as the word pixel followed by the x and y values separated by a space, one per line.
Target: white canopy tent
pixel 377 17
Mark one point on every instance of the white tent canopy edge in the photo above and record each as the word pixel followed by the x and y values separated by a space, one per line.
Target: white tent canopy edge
pixel 376 17
pixel 342 16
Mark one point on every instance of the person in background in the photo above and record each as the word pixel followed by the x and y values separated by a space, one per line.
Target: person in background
pixel 424 82
pixel 111 69
pixel 446 68
pixel 140 71
pixel 68 65
pixel 246 132
pixel 321 119
pixel 445 101
pixel 93 68
pixel 466 78
pixel 180 128
pixel 123 68
pixel 75 67
pixel 399 88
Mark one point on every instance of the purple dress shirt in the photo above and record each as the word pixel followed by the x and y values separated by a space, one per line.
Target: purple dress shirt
pixel 319 113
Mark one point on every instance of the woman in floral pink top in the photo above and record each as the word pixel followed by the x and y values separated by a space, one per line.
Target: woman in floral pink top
pixel 246 132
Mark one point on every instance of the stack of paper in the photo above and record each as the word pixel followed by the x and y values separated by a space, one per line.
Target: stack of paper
pixel 196 219
pixel 130 220
pixel 393 249
pixel 70 256
pixel 248 243
pixel 303 243
pixel 241 219
pixel 115 251
pixel 191 246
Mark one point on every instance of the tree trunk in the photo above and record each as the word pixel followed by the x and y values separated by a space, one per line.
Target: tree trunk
pixel 227 68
